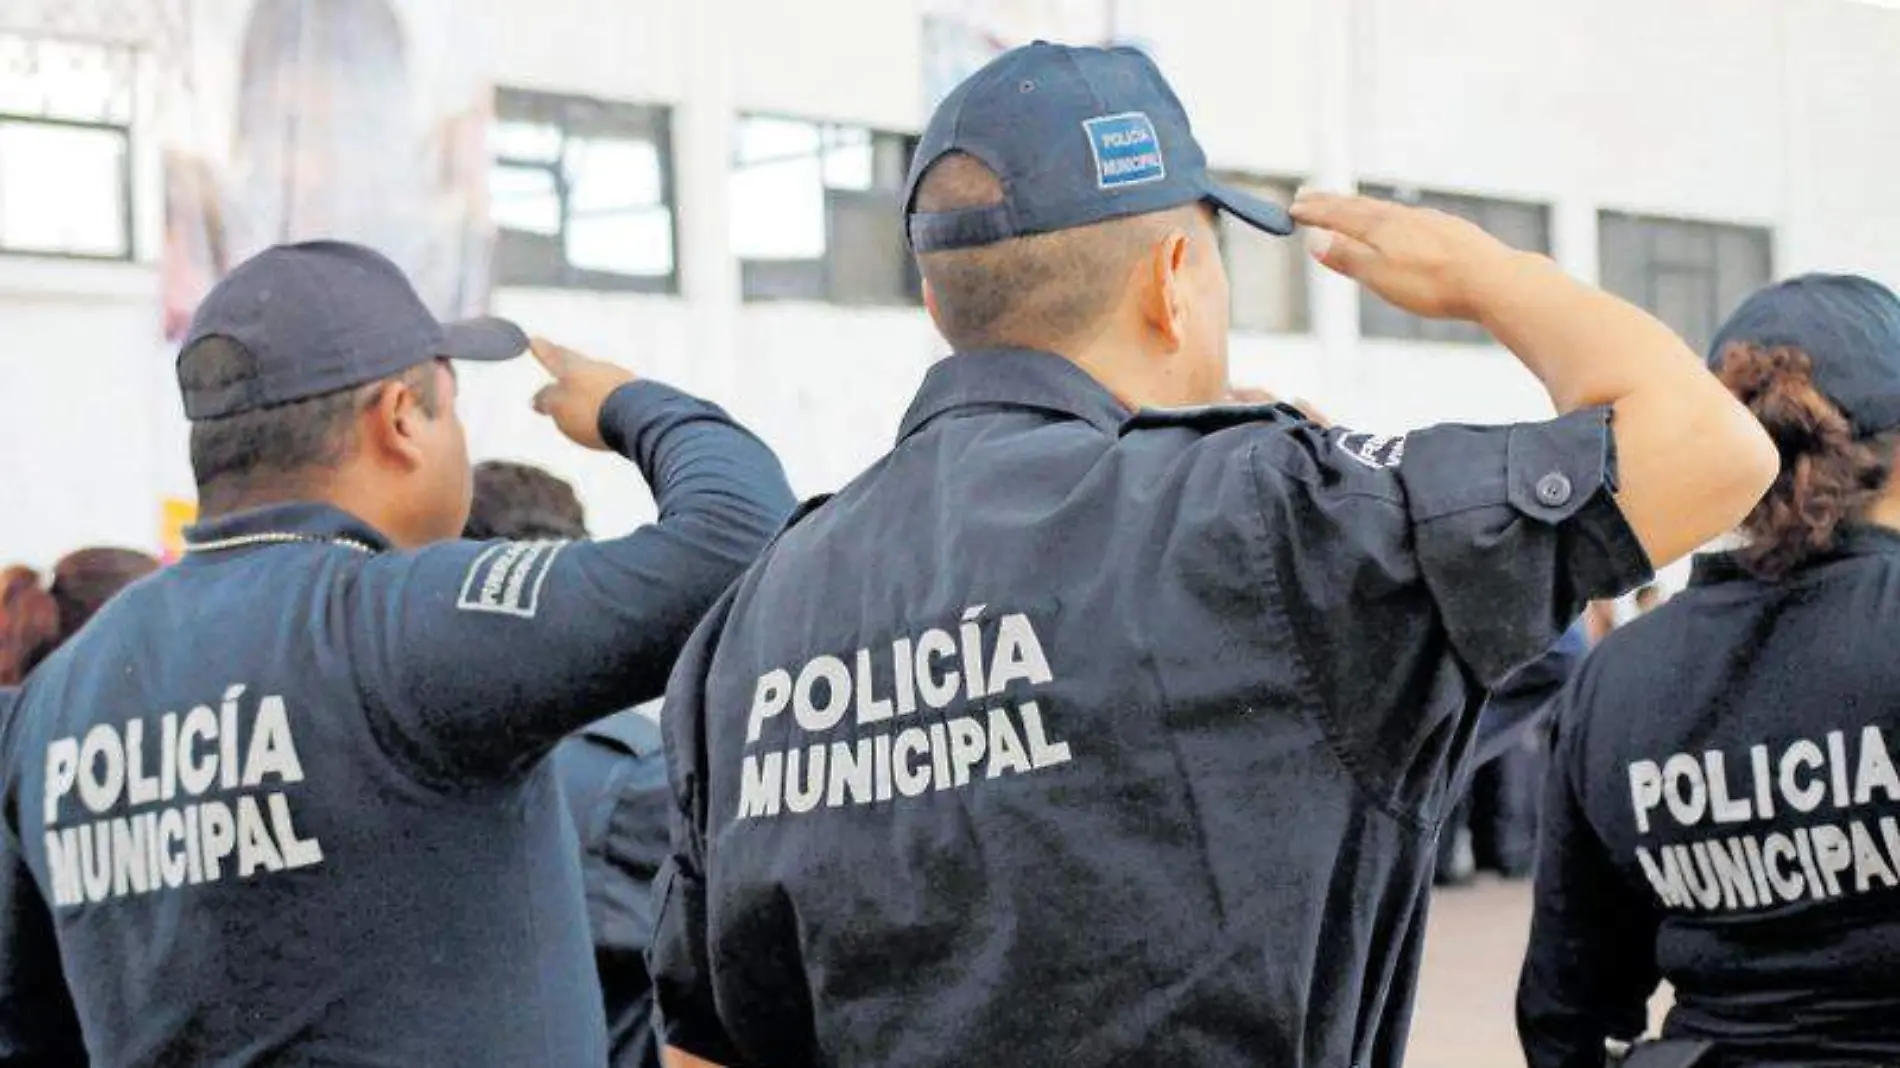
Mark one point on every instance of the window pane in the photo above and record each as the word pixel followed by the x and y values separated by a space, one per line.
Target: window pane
pixel 62 189
pixel 581 191
pixel 1681 244
pixel 869 262
pixel 1521 226
pixel 778 192
pixel 1266 274
pixel 848 158
pixel 1623 258
pixel 630 243
pixel 538 142
pixel 524 198
pixel 611 175
pixel 72 80
pixel 1686 300
pixel 1743 264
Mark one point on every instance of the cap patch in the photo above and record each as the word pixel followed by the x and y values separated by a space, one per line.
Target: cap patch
pixel 1127 152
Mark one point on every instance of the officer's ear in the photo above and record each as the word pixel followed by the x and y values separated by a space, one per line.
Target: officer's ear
pixel 1166 296
pixel 401 414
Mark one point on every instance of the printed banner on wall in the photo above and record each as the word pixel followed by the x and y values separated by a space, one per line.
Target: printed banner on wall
pixel 364 120
pixel 962 35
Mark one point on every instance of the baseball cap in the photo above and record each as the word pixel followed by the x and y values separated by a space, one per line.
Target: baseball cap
pixel 1850 328
pixel 323 316
pixel 1077 136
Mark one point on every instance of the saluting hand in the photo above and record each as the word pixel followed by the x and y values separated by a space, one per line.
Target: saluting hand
pixel 581 385
pixel 1424 261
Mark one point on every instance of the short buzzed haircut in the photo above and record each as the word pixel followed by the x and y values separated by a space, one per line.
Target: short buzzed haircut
pixel 252 454
pixel 1029 292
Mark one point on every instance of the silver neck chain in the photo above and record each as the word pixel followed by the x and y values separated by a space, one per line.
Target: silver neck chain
pixel 245 541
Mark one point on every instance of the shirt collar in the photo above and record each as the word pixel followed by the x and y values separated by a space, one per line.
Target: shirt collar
pixel 312 520
pixel 1857 540
pixel 1013 378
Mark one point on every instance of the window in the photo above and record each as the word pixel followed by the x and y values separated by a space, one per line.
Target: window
pixel 1519 225
pixel 1690 275
pixel 582 193
pixel 816 213
pixel 65 147
pixel 1266 273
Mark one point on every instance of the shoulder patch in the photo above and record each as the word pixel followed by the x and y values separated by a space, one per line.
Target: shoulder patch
pixel 507 578
pixel 1377 451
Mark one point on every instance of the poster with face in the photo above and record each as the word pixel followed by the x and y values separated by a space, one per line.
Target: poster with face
pixel 359 120
pixel 962 35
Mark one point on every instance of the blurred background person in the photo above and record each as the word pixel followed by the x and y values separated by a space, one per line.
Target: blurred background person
pixel 34 621
pixel 1495 827
pixel 330 140
pixel 612 774
pixel 1723 803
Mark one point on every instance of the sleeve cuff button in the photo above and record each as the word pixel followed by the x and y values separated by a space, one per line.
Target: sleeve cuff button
pixel 1554 490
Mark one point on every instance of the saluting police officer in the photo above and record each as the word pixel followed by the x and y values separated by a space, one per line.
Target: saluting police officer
pixel 1724 809
pixel 1092 728
pixel 286 801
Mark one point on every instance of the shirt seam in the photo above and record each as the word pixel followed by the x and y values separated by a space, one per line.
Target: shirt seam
pixel 1304 674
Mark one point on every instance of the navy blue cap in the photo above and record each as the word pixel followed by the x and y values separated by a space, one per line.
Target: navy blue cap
pixel 1077 136
pixel 1849 327
pixel 320 317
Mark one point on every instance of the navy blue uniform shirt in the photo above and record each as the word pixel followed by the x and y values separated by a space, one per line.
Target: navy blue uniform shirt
pixel 613 775
pixel 286 800
pixel 1724 813
pixel 1062 737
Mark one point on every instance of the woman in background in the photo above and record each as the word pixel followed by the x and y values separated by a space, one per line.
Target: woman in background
pixel 36 621
pixel 1723 809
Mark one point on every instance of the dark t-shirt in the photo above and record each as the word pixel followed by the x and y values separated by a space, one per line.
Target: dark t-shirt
pixel 1061 737
pixel 1724 814
pixel 286 799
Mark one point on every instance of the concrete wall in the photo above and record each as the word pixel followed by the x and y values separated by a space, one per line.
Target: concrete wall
pixel 1767 112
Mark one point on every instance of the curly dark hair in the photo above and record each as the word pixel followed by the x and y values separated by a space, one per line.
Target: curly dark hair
pixel 1828 476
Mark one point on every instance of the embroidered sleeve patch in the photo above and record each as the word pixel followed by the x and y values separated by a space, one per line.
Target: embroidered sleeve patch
pixel 506 579
pixel 1377 451
pixel 1127 151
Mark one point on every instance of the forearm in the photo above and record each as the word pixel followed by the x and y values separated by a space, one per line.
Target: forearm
pixel 1691 459
pixel 700 464
pixel 679 1058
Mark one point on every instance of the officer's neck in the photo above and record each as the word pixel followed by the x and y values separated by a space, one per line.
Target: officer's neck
pixel 1137 374
pixel 347 490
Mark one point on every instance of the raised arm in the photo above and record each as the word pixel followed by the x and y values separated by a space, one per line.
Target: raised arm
pixel 1691 460
pixel 482 655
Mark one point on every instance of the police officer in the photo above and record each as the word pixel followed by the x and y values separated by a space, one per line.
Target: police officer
pixel 286 800
pixel 1092 728
pixel 612 774
pixel 1724 811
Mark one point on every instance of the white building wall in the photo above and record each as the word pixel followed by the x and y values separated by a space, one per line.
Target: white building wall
pixel 1773 112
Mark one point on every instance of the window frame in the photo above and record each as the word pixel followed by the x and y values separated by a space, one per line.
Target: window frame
pixel 124 127
pixel 657 130
pixel 1419 329
pixel 820 272
pixel 1655 264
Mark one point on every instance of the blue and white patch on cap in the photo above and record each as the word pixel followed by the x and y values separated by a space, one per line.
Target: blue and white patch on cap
pixel 1127 151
